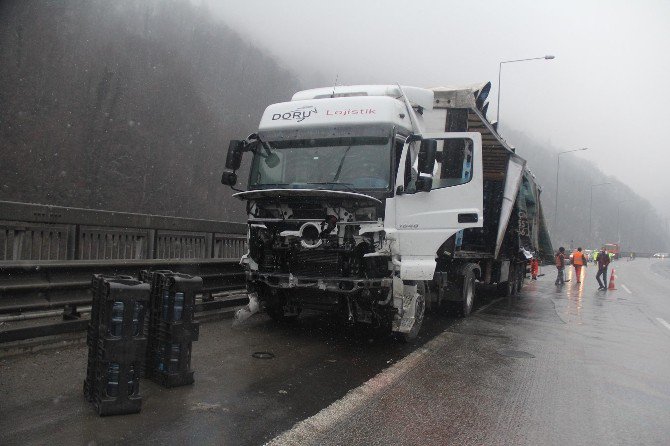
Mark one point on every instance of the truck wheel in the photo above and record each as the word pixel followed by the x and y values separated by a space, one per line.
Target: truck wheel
pixel 521 276
pixel 419 313
pixel 508 287
pixel 468 293
pixel 505 289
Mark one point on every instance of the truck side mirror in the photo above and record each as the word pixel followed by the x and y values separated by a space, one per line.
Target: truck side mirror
pixel 234 157
pixel 229 178
pixel 426 164
pixel 424 183
pixel 427 156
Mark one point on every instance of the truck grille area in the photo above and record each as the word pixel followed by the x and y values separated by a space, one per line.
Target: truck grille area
pixel 315 263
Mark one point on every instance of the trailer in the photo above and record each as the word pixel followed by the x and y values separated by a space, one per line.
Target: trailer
pixel 377 202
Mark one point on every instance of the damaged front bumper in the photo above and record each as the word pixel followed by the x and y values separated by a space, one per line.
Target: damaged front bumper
pixel 344 285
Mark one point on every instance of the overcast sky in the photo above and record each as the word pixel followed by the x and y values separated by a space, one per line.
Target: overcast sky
pixel 606 90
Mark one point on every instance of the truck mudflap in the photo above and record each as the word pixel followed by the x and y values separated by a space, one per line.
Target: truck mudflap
pixel 344 285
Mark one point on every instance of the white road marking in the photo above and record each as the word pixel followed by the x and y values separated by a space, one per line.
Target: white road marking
pixel 309 429
pixel 626 288
pixel 662 321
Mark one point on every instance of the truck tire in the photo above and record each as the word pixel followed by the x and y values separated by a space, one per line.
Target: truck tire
pixel 468 289
pixel 506 289
pixel 469 296
pixel 509 287
pixel 521 276
pixel 420 312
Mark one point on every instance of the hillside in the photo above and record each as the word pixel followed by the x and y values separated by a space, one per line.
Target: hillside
pixel 126 105
pixel 129 105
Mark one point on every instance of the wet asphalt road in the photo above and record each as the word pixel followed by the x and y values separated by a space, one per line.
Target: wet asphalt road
pixel 551 366
pixel 236 399
pixel 557 366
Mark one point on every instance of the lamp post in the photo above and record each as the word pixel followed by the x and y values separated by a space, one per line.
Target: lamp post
pixel 558 166
pixel 547 57
pixel 591 204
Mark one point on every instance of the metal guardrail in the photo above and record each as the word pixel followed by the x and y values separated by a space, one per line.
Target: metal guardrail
pixel 41 286
pixel 39 232
pixel 49 253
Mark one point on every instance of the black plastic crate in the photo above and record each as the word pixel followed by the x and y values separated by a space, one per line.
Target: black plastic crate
pixel 122 311
pixel 177 297
pixel 171 328
pixel 152 278
pixel 98 291
pixel 156 279
pixel 113 394
pixel 173 364
pixel 122 350
pixel 117 344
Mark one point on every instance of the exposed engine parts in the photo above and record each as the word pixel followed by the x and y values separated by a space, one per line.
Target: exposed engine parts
pixel 322 240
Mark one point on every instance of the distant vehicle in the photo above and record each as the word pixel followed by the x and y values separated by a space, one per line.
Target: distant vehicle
pixel 614 249
pixel 661 255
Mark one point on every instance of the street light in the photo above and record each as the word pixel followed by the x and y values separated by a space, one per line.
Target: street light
pixel 591 204
pixel 547 57
pixel 558 166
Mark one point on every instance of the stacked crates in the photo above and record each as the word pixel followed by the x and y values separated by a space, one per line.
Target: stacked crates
pixel 117 344
pixel 171 328
pixel 152 278
pixel 92 331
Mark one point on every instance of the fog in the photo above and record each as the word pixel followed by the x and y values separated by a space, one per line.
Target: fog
pixel 129 105
pixel 605 90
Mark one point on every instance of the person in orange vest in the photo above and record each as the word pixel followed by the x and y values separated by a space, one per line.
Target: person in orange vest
pixel 534 267
pixel 579 260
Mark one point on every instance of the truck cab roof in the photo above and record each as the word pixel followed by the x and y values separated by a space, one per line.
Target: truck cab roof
pixel 333 112
pixel 418 97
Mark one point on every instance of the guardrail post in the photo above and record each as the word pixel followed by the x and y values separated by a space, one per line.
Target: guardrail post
pixel 70 313
pixel 151 244
pixel 209 241
pixel 72 242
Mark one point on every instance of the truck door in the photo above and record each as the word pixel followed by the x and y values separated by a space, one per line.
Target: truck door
pixel 425 216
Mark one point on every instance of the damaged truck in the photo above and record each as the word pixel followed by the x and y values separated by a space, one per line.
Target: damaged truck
pixel 378 202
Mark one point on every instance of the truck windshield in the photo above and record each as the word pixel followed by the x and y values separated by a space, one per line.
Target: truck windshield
pixel 326 163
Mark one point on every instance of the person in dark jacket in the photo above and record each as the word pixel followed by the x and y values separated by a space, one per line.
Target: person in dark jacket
pixel 560 266
pixel 603 260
